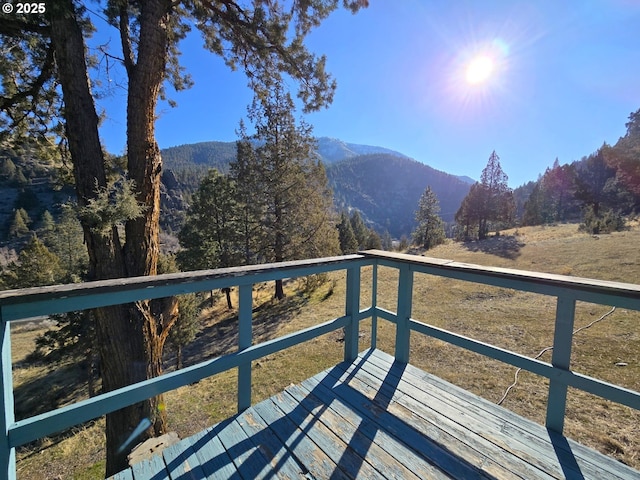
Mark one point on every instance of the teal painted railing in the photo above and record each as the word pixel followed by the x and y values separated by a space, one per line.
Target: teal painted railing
pixel 20 304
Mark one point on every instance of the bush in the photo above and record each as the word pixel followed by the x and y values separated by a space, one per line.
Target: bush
pixel 606 222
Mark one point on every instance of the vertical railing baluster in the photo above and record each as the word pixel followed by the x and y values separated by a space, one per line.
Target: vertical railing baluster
pixel 561 358
pixel 7 418
pixel 403 312
pixel 374 305
pixel 245 339
pixel 352 308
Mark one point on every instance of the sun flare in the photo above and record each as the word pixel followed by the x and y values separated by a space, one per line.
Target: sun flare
pixel 479 70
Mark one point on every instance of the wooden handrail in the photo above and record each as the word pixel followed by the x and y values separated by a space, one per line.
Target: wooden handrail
pixel 26 303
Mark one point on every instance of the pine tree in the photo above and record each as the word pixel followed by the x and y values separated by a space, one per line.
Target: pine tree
pixel 430 229
pixel 18 226
pixel 36 266
pixel 211 236
pixel 45 65
pixel 67 241
pixel 490 200
pixel 348 242
pixel 186 327
pixel 291 192
pixel 360 230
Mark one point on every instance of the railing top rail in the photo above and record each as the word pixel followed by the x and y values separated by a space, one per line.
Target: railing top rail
pixel 577 284
pixel 124 290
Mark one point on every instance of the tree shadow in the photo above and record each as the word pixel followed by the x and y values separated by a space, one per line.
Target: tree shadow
pixel 61 385
pixel 221 337
pixel 505 246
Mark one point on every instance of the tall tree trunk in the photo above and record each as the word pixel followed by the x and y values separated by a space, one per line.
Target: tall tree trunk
pixel 131 337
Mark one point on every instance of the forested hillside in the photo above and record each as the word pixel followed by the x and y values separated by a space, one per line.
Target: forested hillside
pixel 600 189
pixel 386 189
pixel 383 184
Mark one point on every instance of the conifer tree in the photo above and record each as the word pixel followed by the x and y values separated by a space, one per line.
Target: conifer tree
pixel 18 226
pixel 67 241
pixel 360 230
pixel 490 200
pixel 292 194
pixel 211 236
pixel 46 64
pixel 348 242
pixel 36 266
pixel 430 229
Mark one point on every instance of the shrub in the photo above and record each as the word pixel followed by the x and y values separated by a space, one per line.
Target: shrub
pixel 606 222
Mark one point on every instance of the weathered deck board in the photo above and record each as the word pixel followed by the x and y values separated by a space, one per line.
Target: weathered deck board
pixel 523 438
pixel 376 418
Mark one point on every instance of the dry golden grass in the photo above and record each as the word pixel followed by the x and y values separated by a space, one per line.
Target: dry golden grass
pixel 514 320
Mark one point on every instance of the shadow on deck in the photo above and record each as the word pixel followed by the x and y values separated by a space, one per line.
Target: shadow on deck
pixel 377 418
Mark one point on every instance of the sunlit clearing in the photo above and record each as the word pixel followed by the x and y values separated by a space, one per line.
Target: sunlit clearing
pixel 479 70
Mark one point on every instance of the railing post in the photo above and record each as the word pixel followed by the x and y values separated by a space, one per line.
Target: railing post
pixel 7 418
pixel 403 312
pixel 374 305
pixel 245 339
pixel 352 308
pixel 561 358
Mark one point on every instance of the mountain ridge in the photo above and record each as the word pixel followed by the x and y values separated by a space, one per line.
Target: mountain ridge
pixel 383 184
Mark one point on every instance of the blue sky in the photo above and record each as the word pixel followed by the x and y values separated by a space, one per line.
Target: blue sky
pixel 566 76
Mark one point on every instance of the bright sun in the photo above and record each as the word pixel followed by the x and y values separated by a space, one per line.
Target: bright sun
pixel 479 70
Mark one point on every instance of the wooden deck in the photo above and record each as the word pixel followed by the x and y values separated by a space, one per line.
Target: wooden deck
pixel 377 419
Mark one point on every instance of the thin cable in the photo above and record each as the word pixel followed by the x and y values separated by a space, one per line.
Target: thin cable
pixel 543 351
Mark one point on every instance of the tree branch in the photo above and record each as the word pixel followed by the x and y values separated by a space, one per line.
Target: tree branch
pixel 17 27
pixel 125 39
pixel 46 72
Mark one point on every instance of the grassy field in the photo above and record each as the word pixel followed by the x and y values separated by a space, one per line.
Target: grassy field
pixel 518 321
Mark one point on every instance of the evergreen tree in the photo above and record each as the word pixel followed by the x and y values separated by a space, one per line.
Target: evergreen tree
pixel 244 171
pixel 490 200
pixel 47 223
pixel 67 242
pixel 348 242
pixel 211 236
pixel 36 266
pixel 19 226
pixel 45 65
pixel 374 242
pixel 625 158
pixel 293 197
pixel 186 326
pixel 360 230
pixel 430 229
pixel 8 170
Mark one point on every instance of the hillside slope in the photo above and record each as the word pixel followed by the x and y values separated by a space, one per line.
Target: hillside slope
pixel 386 189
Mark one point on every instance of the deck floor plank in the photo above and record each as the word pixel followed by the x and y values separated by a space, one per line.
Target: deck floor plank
pixel 214 459
pixel 326 438
pixel 182 462
pixel 376 418
pixel 441 456
pixel 281 460
pixel 149 469
pixel 522 437
pixel 314 459
pixel 386 452
pixel 247 458
pixel 436 422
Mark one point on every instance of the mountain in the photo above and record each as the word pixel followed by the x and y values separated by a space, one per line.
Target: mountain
pixel 384 185
pixel 386 188
pixel 333 150
pixel 219 154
